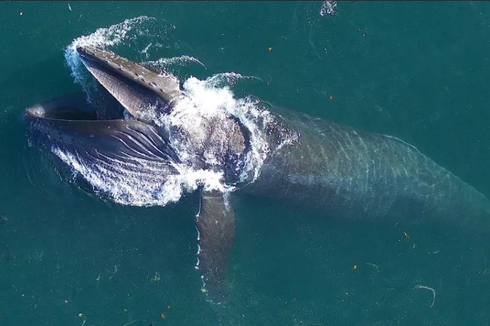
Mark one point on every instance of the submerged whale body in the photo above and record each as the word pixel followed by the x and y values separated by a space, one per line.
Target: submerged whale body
pixel 341 171
pixel 354 174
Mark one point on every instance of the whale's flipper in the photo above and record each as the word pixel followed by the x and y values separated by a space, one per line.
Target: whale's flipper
pixel 216 225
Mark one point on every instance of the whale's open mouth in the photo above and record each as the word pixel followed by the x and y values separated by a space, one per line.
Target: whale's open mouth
pixel 123 158
pixel 148 150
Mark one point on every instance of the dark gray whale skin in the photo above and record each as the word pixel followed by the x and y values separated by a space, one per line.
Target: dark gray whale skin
pixel 355 175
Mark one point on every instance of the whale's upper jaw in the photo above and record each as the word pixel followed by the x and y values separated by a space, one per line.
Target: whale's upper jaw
pixel 139 89
pixel 164 85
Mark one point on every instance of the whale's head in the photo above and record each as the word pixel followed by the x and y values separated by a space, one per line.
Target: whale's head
pixel 139 147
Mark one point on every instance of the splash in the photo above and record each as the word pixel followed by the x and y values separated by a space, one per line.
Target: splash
pixel 102 38
pixel 204 101
pixel 328 7
pixel 134 36
pixel 187 125
pixel 169 63
pixel 229 79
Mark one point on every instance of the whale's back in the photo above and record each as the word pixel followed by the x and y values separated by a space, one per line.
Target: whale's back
pixel 358 175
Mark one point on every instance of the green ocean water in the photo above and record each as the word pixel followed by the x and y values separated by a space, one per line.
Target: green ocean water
pixel 418 71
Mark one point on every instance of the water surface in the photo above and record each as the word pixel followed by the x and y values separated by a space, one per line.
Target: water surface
pixel 418 71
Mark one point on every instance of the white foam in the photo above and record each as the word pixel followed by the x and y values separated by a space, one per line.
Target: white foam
pixel 183 60
pixel 187 125
pixel 102 38
pixel 328 7
pixel 201 102
pixel 228 79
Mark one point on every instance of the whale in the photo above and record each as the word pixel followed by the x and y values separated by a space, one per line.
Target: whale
pixel 339 171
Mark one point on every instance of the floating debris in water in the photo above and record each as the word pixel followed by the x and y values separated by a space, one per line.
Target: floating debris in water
pixel 81 315
pixel 373 265
pixel 328 7
pixel 156 278
pixel 418 286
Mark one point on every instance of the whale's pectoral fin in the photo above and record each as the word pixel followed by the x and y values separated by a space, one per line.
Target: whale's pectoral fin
pixel 216 226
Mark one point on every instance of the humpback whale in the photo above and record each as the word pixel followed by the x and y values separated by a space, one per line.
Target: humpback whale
pixel 339 170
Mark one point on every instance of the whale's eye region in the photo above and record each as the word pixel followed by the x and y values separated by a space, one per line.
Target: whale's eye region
pixel 61 113
pixel 67 107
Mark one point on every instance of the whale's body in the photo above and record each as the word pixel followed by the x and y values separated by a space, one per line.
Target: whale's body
pixel 352 174
pixel 340 171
